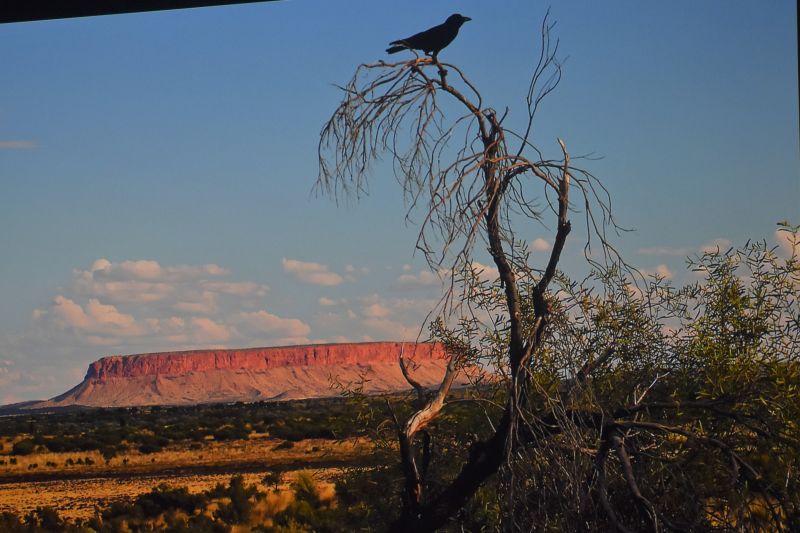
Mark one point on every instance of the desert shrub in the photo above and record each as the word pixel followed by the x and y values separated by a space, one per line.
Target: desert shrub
pixel 117 512
pixel 166 498
pixel 150 447
pixel 226 433
pixel 46 518
pixel 240 506
pixel 202 524
pixel 305 489
pixel 285 445
pixel 108 453
pixel 308 511
pixel 11 523
pixel 23 447
pixel 366 497
pixel 271 479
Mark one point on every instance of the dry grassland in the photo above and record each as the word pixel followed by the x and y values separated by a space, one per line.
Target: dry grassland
pixel 77 491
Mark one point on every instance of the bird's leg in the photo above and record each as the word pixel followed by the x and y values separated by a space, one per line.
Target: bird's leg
pixel 442 70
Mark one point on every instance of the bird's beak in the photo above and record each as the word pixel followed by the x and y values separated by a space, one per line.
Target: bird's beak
pixel 466 19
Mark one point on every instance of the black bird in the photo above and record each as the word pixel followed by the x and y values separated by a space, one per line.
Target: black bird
pixel 431 41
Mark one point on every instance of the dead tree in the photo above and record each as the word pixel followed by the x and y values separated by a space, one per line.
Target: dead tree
pixel 469 193
pixel 474 181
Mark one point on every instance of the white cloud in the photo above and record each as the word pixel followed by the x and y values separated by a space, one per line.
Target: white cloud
pixel 424 278
pixel 540 245
pixel 204 303
pixel 487 273
pixel 416 306
pixel 190 288
pixel 96 318
pixel 314 273
pixel 140 269
pixel 241 288
pixel 662 271
pixel 716 245
pixel 144 305
pixel 350 269
pixel 391 329
pixel 126 270
pixel 265 322
pixel 206 330
pixel 149 269
pixel 785 240
pixel 326 302
pixel 147 281
pixel 125 291
pixel 375 310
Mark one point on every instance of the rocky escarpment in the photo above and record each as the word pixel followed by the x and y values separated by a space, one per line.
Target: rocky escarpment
pixel 252 374
pixel 184 362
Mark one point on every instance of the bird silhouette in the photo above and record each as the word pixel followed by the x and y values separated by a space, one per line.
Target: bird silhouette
pixel 433 40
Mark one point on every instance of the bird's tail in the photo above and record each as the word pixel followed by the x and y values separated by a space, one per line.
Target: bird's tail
pixel 398 45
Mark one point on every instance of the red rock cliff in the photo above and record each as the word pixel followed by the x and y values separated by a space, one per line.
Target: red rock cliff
pixel 184 362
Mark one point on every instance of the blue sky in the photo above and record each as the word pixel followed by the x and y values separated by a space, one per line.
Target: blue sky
pixel 156 169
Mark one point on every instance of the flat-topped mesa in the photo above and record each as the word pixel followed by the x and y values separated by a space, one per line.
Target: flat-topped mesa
pixel 259 359
pixel 254 374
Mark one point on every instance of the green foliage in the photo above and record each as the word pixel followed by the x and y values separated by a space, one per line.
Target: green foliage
pixel 699 385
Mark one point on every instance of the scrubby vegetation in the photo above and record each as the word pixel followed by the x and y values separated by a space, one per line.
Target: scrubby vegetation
pixel 365 495
pixel 305 506
pixel 114 432
pixel 175 509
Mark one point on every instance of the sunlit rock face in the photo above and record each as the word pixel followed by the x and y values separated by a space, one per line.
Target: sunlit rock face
pixel 253 374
